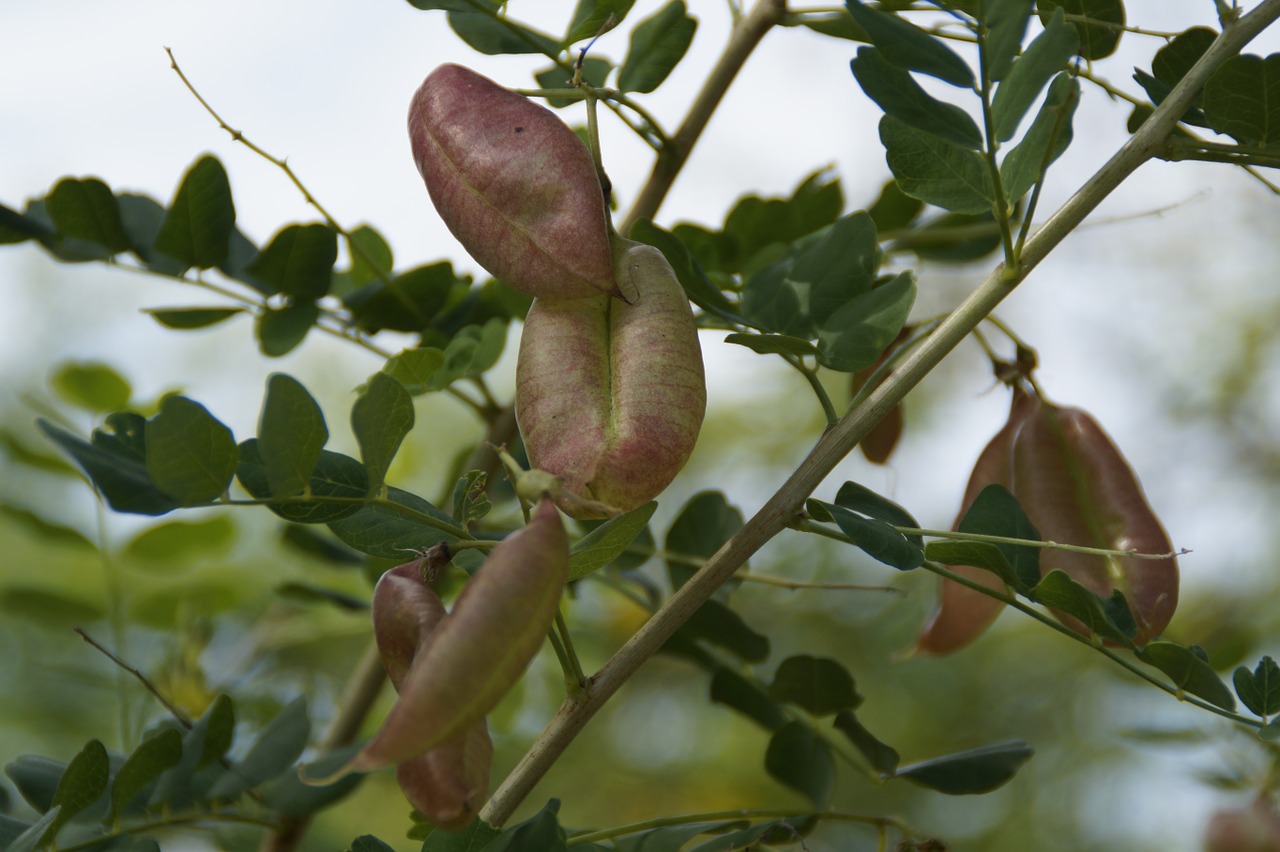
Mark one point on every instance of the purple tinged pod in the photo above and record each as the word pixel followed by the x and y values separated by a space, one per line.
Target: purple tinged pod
pixel 516 186
pixel 447 783
pixel 479 650
pixel 1077 488
pixel 610 396
pixel 963 614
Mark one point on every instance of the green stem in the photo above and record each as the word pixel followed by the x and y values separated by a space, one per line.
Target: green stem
pixel 780 509
pixel 1000 204
pixel 811 376
pixel 574 677
pixel 381 502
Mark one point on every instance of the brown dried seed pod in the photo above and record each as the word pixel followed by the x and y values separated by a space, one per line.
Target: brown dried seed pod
pixel 1077 488
pixel 515 185
pixel 610 396
pixel 962 614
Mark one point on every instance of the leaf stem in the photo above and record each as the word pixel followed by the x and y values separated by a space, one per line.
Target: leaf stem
pixel 836 443
pixel 596 835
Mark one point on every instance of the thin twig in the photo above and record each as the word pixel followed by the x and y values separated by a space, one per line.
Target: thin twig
pixel 150 687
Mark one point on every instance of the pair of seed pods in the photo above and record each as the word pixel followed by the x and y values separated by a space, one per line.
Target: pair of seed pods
pixel 1075 488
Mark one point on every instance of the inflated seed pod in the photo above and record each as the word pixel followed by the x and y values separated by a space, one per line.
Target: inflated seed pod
pixel 609 395
pixel 449 782
pixel 962 614
pixel 515 185
pixel 481 648
pixel 1077 488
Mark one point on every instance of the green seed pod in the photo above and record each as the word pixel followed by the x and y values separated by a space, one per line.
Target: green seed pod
pixel 962 614
pixel 1077 488
pixel 480 649
pixel 515 185
pixel 447 783
pixel 610 396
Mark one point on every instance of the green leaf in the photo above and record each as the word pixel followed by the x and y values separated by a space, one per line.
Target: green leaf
pixel 1101 33
pixel 280 330
pixel 408 302
pixel 882 758
pixel 995 511
pixel 853 337
pixel 474 838
pixel 414 369
pixel 714 622
pixel 470 500
pixel 185 319
pixel 936 171
pixel 818 684
pixel 143 217
pixel 298 261
pixel 859 498
pixel 402 524
pixel 590 17
pixel 1045 141
pixel 291 435
pixel 205 743
pixel 901 97
pixel 658 44
pixel 220 725
pixel 747 697
pixel 472 351
pixel 907 46
pixel 1108 618
pixel 176 542
pixel 33 838
pixel 595 72
pixel 978 770
pixel 494 35
pixel 87 211
pixel 781 831
pixel 705 523
pixel 699 288
pixel 875 537
pixel 672 838
pixel 801 760
pixel 274 752
pixel 152 757
pixel 198 227
pixel 320 546
pixel 17 227
pixel 979 554
pixel 773 344
pixel 92 386
pixel 542 832
pixel 1006 24
pixel 1188 672
pixel 606 542
pixel 452 5
pixel 335 476
pixel 115 463
pixel 84 780
pixel 368 843
pixel 45 530
pixel 36 779
pixel 1046 56
pixel 1242 100
pixel 381 417
pixel 371 259
pixel 288 796
pixel 840 267
pixel 191 456
pixel 1259 689
pixel 894 210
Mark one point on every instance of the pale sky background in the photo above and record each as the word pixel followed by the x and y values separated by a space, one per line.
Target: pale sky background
pixel 88 91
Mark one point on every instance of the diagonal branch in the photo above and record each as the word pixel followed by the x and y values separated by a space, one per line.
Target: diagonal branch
pixel 783 506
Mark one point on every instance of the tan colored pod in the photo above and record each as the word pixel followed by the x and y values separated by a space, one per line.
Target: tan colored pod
pixel 610 396
pixel 515 185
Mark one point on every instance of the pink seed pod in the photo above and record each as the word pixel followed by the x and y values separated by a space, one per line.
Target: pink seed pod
pixel 447 783
pixel 480 649
pixel 610 396
pixel 515 185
